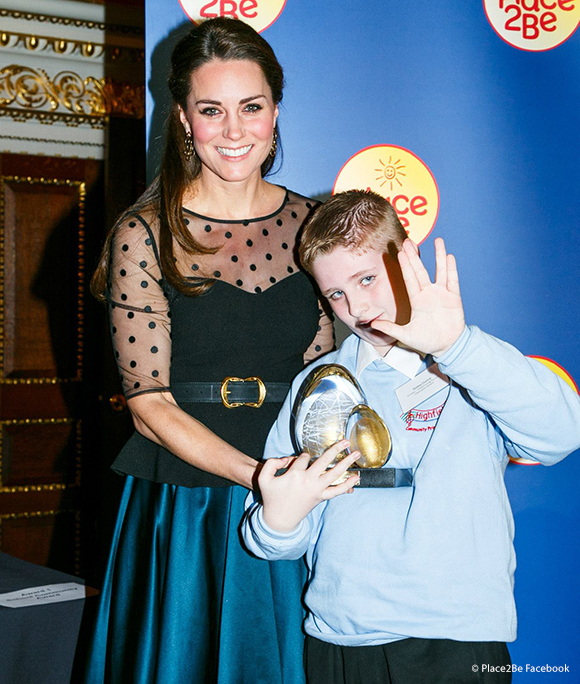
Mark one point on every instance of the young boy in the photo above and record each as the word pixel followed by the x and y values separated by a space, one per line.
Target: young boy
pixel 411 584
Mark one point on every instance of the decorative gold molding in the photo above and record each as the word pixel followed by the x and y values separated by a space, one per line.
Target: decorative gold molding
pixel 34 488
pixel 24 89
pixel 48 118
pixel 46 514
pixel 56 486
pixel 50 140
pixel 30 88
pixel 33 514
pixel 123 99
pixel 36 381
pixel 81 186
pixel 78 23
pixel 70 46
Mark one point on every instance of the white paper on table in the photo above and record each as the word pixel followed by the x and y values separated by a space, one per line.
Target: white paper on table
pixel 49 593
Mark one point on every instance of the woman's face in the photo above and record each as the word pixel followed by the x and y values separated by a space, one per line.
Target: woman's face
pixel 231 115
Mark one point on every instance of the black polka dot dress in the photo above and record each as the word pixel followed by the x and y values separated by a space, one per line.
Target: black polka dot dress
pixel 182 601
pixel 261 317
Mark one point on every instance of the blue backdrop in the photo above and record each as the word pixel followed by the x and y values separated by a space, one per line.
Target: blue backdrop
pixel 498 127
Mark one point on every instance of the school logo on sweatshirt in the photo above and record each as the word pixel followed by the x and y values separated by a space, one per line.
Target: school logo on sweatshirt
pixel 422 420
pixel 400 176
pixel 534 25
pixel 561 372
pixel 259 14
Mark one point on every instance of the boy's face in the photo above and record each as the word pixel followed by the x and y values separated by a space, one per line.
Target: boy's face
pixel 362 287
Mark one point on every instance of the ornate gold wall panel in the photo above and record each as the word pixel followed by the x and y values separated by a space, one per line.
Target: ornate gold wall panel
pixel 25 89
pixel 58 465
pixel 63 70
pixel 41 334
pixel 19 532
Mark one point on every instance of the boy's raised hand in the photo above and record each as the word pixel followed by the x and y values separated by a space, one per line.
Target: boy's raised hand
pixel 437 318
pixel 287 499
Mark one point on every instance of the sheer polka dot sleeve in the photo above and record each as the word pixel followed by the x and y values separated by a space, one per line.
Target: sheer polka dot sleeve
pixel 139 310
pixel 324 339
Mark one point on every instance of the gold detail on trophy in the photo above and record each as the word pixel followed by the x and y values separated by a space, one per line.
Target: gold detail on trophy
pixel 326 371
pixel 367 433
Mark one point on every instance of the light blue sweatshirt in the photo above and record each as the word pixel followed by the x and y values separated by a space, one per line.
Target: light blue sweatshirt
pixel 435 560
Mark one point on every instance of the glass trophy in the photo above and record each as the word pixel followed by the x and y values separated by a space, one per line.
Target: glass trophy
pixel 331 406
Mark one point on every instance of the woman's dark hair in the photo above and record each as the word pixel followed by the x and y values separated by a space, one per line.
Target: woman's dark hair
pixel 220 38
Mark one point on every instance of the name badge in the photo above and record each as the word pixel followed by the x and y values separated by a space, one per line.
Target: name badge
pixel 421 387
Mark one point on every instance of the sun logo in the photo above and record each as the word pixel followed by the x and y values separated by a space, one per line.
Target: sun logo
pixel 533 25
pixel 401 177
pixel 562 373
pixel 390 172
pixel 259 14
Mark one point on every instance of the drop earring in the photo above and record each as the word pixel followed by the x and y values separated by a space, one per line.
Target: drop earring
pixel 188 148
pixel 274 147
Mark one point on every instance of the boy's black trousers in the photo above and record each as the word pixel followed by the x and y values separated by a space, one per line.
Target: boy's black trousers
pixel 408 661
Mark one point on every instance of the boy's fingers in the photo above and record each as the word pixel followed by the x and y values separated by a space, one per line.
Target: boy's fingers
pixel 383 326
pixel 452 275
pixel 389 328
pixel 336 490
pixel 440 262
pixel 409 276
pixel 323 461
pixel 271 466
pixel 301 462
pixel 412 253
pixel 332 474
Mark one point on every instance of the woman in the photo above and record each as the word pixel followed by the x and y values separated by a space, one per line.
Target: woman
pixel 204 290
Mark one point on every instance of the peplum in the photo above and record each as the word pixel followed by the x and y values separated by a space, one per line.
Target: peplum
pixel 181 599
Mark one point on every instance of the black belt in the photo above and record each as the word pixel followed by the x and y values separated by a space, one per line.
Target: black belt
pixel 231 392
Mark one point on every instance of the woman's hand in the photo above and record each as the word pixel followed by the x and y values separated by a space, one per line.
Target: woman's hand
pixel 437 318
pixel 288 498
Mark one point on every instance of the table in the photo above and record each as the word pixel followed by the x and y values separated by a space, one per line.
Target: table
pixel 37 643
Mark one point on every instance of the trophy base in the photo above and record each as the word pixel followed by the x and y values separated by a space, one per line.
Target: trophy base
pixel 373 477
pixel 381 477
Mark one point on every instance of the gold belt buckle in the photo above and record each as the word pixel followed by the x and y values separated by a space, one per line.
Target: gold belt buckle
pixel 224 391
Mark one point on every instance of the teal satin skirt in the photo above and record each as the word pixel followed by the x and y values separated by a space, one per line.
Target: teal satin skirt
pixel 183 603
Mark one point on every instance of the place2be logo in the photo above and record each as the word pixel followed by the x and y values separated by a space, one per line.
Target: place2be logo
pixel 533 25
pixel 401 177
pixel 561 372
pixel 259 14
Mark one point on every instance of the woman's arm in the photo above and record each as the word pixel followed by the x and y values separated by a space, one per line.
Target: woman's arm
pixel 158 417
pixel 141 334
